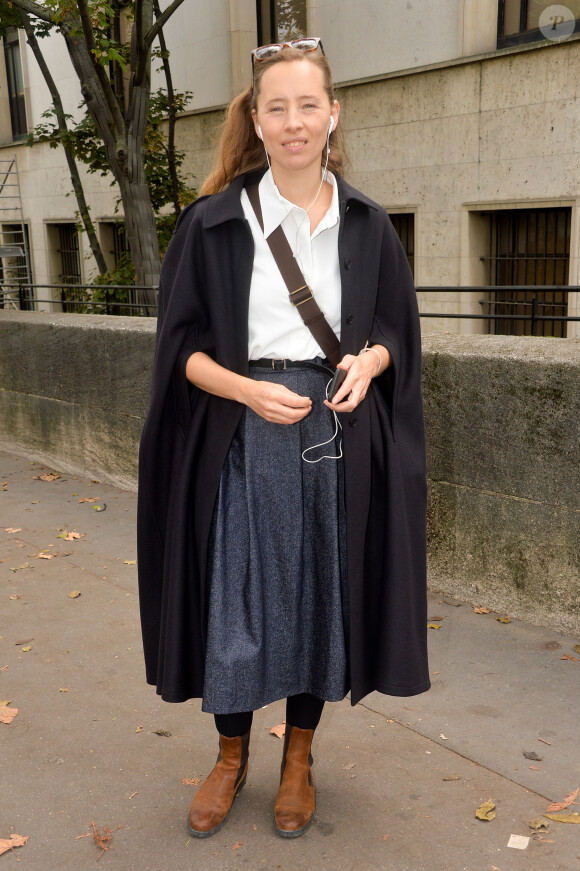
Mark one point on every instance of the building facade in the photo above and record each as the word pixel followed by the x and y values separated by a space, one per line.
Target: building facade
pixel 462 120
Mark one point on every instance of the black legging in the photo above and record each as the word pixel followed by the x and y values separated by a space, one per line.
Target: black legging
pixel 303 711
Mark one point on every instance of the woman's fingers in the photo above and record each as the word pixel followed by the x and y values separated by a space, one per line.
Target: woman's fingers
pixel 356 384
pixel 277 404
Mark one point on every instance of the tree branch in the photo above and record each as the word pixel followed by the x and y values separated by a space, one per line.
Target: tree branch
pixel 104 82
pixel 35 9
pixel 161 21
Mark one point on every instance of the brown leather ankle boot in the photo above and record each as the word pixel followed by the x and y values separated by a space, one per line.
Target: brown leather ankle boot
pixel 213 801
pixel 295 802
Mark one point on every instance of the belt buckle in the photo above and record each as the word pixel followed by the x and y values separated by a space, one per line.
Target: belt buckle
pixel 274 366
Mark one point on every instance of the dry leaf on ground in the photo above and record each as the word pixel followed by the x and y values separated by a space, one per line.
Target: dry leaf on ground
pixel 130 562
pixel 11 842
pixel 12 529
pixel 43 555
pixel 74 594
pixel 577 648
pixel 279 731
pixel 7 714
pixel 481 610
pixel 538 823
pixel 486 811
pixel 570 657
pixel 433 625
pixel 531 754
pixel 505 619
pixel 103 841
pixel 51 476
pixel 564 818
pixel 71 536
pixel 556 806
pixel 239 844
pixel 191 781
pixel 90 499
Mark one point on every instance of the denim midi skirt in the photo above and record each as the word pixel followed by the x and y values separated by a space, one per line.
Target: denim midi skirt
pixel 277 591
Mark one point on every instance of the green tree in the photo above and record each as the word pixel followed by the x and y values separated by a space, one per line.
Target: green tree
pixel 115 80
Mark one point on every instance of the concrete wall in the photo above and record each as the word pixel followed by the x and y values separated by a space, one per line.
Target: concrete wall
pixel 502 438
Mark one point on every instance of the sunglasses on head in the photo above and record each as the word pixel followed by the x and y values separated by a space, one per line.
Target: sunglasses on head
pixel 306 43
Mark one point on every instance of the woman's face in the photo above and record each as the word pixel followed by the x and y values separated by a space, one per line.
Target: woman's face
pixel 294 114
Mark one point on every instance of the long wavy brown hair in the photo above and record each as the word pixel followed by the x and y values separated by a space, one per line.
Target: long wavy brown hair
pixel 239 150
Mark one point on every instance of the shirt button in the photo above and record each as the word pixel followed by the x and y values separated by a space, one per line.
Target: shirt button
pixel 347 263
pixel 352 421
pixel 349 319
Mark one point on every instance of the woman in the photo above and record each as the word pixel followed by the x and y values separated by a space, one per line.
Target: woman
pixel 280 556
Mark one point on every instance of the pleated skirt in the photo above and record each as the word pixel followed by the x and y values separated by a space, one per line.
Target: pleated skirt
pixel 277 586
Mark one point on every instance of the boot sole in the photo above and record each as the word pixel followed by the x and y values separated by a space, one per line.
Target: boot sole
pixel 210 832
pixel 297 832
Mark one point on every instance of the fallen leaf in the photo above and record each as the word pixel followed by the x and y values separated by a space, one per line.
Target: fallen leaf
pixel 570 657
pixel 52 476
pixel 239 844
pixel 139 729
pixel 577 648
pixel 564 818
pixel 279 731
pixel 435 619
pixel 452 777
pixel 71 536
pixel 486 811
pixel 12 529
pixel 441 735
pixel 5 702
pixel 505 619
pixel 26 649
pixel 538 823
pixel 11 842
pixel 452 603
pixel 15 596
pixel 533 768
pixel 433 625
pixel 191 781
pixel 481 610
pixel 130 562
pixel 74 594
pixel 7 714
pixel 556 806
pixel 349 766
pixel 90 499
pixel 163 733
pixel 43 555
pixel 63 690
pixel 103 841
pixel 531 754
pixel 386 837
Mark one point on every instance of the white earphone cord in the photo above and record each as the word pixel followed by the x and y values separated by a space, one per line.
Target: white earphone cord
pixel 337 427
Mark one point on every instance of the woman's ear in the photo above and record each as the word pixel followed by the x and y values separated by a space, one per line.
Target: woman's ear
pixel 257 127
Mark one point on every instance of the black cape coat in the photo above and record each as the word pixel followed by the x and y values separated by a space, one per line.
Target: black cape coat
pixel 203 306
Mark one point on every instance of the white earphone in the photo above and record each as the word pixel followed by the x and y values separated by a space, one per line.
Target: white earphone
pixel 260 133
pixel 331 124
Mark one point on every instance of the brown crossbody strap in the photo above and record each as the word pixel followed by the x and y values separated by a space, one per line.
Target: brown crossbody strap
pixel 300 294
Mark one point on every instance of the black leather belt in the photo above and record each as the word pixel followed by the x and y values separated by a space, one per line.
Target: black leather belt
pixel 266 363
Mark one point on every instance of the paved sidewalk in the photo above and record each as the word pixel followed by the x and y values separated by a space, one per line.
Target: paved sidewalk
pixel 399 780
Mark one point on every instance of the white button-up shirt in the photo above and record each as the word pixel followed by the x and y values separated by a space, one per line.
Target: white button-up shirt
pixel 276 329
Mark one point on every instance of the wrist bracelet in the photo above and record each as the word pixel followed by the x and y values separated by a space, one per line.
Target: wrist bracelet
pixel 366 348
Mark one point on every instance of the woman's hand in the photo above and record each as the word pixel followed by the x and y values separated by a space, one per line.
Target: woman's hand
pixel 360 372
pixel 275 403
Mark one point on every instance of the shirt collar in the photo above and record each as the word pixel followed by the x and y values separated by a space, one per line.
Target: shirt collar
pixel 276 208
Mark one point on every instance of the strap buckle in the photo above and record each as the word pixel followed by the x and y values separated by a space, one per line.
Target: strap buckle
pixel 301 301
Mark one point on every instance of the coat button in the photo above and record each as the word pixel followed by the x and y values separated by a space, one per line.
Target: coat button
pixel 349 319
pixel 347 209
pixel 347 263
pixel 352 421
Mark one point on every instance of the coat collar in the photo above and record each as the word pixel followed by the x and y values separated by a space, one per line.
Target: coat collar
pixel 226 205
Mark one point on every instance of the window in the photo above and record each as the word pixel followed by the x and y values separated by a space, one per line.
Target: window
pixel 404 224
pixel 521 21
pixel 279 20
pixel 15 83
pixel 529 247
pixel 14 263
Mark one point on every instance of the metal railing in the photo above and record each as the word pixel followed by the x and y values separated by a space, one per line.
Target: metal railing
pixel 114 299
pixel 532 309
pixel 109 299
